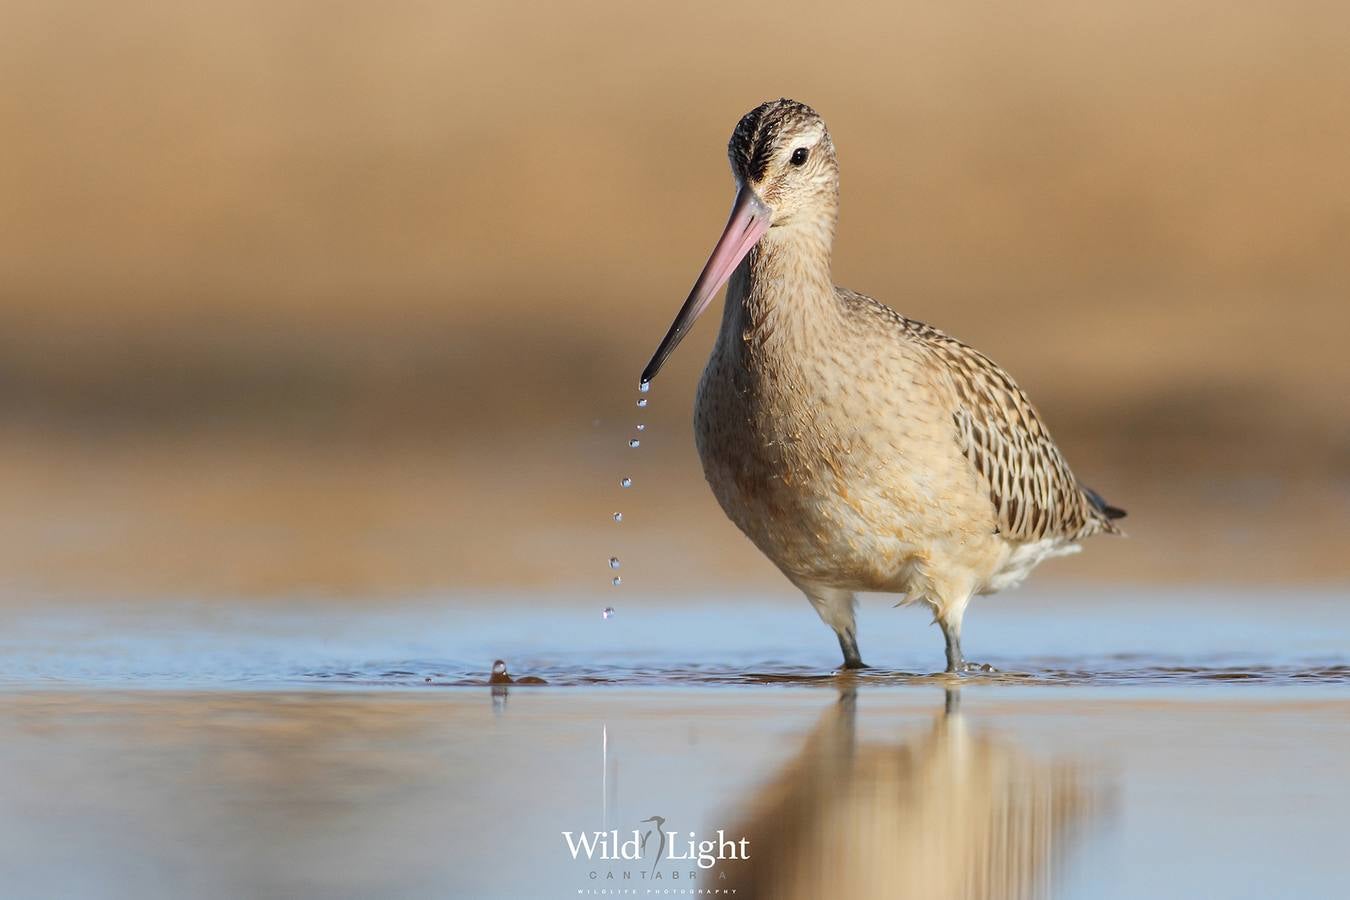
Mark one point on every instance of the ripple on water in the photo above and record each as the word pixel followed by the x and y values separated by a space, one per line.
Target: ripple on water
pixel 774 673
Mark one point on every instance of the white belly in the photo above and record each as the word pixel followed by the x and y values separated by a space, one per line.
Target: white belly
pixel 1022 558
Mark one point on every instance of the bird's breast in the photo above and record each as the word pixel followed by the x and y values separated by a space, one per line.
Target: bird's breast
pixel 841 466
pixel 792 473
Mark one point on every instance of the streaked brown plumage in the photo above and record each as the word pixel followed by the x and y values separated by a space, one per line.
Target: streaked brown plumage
pixel 861 450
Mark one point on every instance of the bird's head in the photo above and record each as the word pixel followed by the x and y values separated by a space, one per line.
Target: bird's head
pixel 787 179
pixel 782 152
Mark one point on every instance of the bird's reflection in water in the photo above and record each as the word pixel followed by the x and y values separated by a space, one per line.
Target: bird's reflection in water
pixel 947 812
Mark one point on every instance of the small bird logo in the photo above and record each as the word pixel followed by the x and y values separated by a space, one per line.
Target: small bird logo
pixel 661 844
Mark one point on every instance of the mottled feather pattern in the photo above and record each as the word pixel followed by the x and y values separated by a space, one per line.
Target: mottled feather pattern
pixel 1034 493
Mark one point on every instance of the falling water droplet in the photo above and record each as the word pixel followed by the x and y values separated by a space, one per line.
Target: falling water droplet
pixel 641 427
pixel 616 581
pixel 634 442
pixel 618 517
pixel 613 562
pixel 642 401
pixel 625 482
pixel 644 386
pixel 499 667
pixel 607 611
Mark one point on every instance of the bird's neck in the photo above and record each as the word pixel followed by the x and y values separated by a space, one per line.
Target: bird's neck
pixel 782 294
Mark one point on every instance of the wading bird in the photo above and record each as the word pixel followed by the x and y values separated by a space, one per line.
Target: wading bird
pixel 858 449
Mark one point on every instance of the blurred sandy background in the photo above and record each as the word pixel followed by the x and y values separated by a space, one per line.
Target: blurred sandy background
pixel 351 298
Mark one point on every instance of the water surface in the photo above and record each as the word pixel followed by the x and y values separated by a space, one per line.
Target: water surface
pixel 1087 636
pixel 1134 744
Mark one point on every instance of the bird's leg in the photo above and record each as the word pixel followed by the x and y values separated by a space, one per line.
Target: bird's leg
pixel 951 631
pixel 848 642
pixel 835 607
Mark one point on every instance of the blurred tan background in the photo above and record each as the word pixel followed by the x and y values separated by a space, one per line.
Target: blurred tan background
pixel 351 298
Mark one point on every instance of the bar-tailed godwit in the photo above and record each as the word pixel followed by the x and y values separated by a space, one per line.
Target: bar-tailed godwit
pixel 860 450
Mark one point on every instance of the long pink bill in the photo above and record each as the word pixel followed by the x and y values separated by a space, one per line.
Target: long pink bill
pixel 749 220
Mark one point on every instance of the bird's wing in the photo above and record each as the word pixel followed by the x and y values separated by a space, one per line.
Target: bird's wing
pixel 1034 493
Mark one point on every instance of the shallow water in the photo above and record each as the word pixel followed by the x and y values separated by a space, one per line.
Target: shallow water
pixel 466 792
pixel 1085 637
pixel 1135 744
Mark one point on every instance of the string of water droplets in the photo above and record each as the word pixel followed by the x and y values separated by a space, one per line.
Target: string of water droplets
pixel 626 482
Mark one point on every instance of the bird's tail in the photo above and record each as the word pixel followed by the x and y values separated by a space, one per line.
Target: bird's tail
pixel 1108 512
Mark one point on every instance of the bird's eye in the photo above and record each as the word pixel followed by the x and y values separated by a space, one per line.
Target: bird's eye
pixel 799 156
